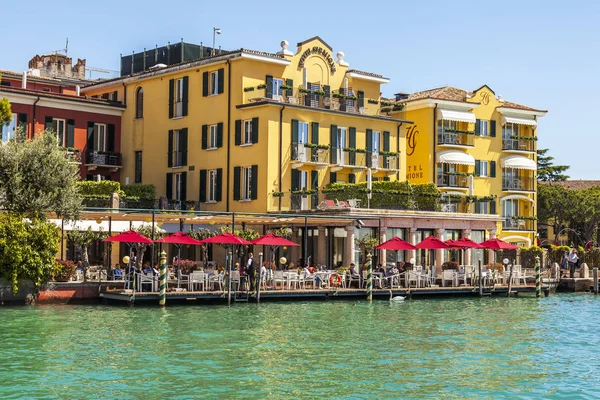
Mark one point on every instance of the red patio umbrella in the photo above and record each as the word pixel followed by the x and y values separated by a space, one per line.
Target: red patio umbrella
pixel 273 240
pixel 129 237
pixel 225 238
pixel 465 243
pixel 432 243
pixel 180 238
pixel 497 244
pixel 397 244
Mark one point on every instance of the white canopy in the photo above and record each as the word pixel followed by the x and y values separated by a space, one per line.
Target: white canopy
pixel 518 162
pixel 455 157
pixel 517 120
pixel 456 115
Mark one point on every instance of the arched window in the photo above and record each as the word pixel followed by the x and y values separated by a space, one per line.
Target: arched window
pixel 139 103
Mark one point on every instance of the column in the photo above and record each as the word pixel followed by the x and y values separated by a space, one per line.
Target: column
pixel 466 233
pixel 412 240
pixel 383 253
pixel 492 253
pixel 439 254
pixel 322 247
pixel 349 250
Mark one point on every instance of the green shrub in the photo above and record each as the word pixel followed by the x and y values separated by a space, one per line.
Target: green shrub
pixel 140 192
pixel 106 188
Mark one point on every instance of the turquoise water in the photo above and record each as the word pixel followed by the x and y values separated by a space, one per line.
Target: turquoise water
pixel 451 348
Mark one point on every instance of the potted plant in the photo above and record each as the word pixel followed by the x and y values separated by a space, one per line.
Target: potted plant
pixel 64 270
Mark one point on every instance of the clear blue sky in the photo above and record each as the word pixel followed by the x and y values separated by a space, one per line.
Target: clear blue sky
pixel 544 54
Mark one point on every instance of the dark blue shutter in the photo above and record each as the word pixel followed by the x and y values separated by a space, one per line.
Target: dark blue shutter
pixel 386 178
pixel 171 96
pixel 48 123
pixel 333 144
pixel 70 133
pixel 386 141
pixel 254 183
pixel 351 178
pixel 493 207
pixel 255 130
pixel 493 128
pixel 294 131
pixel 478 127
pixel 110 146
pixel 315 132
pixel 238 132
pixel 170 150
pixel 477 168
pixel 295 179
pixel 332 177
pixel 204 137
pixel 169 190
pixel 290 91
pixel 90 136
pixel 361 98
pixel 185 96
pixel 220 134
pixel 183 145
pixel 183 193
pixel 205 84
pixel 314 176
pixel 202 198
pixel 221 80
pixel 236 183
pixel 352 144
pixel 369 147
pixel 269 88
pixel 492 169
pixel 219 185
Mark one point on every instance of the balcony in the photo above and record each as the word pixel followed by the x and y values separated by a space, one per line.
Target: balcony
pixel 451 138
pixel 389 163
pixel 518 184
pixel 110 159
pixel 304 202
pixel 517 224
pixel 518 145
pixel 309 155
pixel 352 160
pixel 453 181
pixel 73 155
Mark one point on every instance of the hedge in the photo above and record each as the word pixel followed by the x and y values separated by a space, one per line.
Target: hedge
pixel 142 192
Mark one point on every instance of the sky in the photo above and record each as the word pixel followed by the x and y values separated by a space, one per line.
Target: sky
pixel 543 54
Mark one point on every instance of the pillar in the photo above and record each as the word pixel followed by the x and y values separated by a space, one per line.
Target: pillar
pixel 349 249
pixel 383 253
pixel 321 258
pixel 439 254
pixel 492 253
pixel 466 233
pixel 412 240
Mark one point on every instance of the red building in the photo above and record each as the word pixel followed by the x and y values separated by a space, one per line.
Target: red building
pixel 90 129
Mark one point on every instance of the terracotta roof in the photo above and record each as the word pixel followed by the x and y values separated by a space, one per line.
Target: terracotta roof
pixel 508 104
pixel 61 96
pixel 441 93
pixel 574 184
pixel 20 76
pixel 366 73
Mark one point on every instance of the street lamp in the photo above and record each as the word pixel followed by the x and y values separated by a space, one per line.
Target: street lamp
pixel 216 31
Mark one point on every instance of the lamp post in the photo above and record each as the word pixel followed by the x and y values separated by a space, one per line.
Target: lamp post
pixel 216 31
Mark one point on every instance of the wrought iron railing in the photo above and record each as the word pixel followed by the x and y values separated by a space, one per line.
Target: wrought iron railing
pixel 109 158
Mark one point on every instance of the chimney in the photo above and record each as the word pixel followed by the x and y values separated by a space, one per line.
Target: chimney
pixel 24 80
pixel 78 90
pixel 401 96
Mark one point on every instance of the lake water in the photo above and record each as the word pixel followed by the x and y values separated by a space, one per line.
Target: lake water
pixel 451 348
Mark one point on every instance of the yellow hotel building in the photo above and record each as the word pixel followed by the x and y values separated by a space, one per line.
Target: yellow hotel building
pixel 476 144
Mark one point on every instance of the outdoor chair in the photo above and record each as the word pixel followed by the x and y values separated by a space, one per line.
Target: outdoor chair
pixel 278 277
pixel 216 280
pixel 147 279
pixel 353 278
pixel 449 276
pixel 182 278
pixel 235 280
pixel 197 278
pixel 304 280
pixel 292 279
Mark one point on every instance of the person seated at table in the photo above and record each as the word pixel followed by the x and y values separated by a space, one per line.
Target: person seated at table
pixel 155 271
pixel 146 268
pixel 401 266
pixel 393 273
pixel 308 274
pixel 381 274
pixel 353 270
pixel 312 269
pixel 236 267
pixel 117 273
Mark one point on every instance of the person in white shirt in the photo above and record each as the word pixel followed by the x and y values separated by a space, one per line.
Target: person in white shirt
pixel 573 261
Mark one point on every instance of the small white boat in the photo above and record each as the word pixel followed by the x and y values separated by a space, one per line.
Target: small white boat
pixel 398 298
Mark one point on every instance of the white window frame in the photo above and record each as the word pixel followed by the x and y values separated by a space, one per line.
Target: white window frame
pixel 178 100
pixel 247 133
pixel 276 87
pixel 246 183
pixel 177 159
pixel 213 88
pixel 484 169
pixel 342 139
pixel 212 186
pixel 213 131
pixel 483 130
pixel 376 134
pixel 8 131
pixel 63 122
pixel 98 136
pixel 514 130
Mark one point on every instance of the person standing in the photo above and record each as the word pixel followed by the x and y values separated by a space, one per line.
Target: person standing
pixel 573 261
pixel 251 270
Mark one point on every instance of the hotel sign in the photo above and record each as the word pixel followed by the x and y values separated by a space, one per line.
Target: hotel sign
pixel 322 52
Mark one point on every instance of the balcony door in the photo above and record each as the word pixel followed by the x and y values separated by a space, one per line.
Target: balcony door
pixel 342 144
pixel 302 139
pixel 510 209
pixel 376 147
pixel 99 137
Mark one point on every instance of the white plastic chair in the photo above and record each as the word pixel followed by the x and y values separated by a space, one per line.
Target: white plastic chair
pixel 353 278
pixel 449 275
pixel 235 280
pixel 182 278
pixel 278 277
pixel 197 278
pixel 292 279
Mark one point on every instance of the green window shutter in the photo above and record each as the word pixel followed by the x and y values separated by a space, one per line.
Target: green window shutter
pixel 290 83
pixel 333 144
pixel 170 149
pixel 477 168
pixel 48 123
pixel 352 144
pixel 23 122
pixel 90 136
pixel 219 185
pixel 183 193
pixel 269 88
pixel 169 189
pixel 110 133
pixel 254 183
pixel 315 132
pixel 492 169
pixel 171 96
pixel 205 84
pixel 185 96
pixel 493 207
pixel 219 135
pixel 294 131
pixel 386 141
pixel 478 127
pixel 361 98
pixel 386 178
pixel 202 197
pixel 183 145
pixel 493 128
pixel 70 132
pixel 204 137
pixel 332 177
pixel 236 183
pixel 351 178
pixel 238 132
pixel 295 179
pixel 314 177
pixel 255 130
pixel 220 80
pixel 369 146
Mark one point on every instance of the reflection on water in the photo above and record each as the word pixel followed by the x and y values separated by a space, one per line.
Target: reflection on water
pixel 461 348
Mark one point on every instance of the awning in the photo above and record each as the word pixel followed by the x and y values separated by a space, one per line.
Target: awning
pixel 455 115
pixel 516 120
pixel 455 157
pixel 518 162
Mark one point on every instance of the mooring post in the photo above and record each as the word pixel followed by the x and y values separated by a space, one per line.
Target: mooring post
pixel 595 275
pixel 163 279
pixel 510 280
pixel 229 278
pixel 480 280
pixel 369 277
pixel 260 257
pixel 538 278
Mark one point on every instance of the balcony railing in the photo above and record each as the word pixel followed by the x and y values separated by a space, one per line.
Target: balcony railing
pixel 457 181
pixel 74 155
pixel 518 184
pixel 516 224
pixel 304 202
pixel 389 162
pixel 103 158
pixel 449 137
pixel 302 153
pixel 518 145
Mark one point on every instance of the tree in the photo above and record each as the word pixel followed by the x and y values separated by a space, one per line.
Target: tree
pixel 36 178
pixel 5 112
pixel 140 248
pixel 546 170
pixel 202 234
pixel 555 206
pixel 585 213
pixel 83 239
pixel 366 244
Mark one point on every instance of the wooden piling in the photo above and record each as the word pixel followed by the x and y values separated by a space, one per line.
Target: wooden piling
pixel 480 281
pixel 510 274
pixel 595 275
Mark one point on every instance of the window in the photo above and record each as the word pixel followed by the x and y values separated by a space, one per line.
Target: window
pixel 214 83
pixel 212 136
pixel 246 183
pixel 247 134
pixel 138 167
pixel 8 131
pixel 484 169
pixel 484 128
pixel 509 129
pixel 212 185
pixel 59 126
pixel 177 159
pixel 277 84
pixel 341 145
pixel 482 207
pixel 139 103
pixel 510 209
pixel 179 98
pixel 99 137
pixel 376 142
pixel 178 185
pixel 448 126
